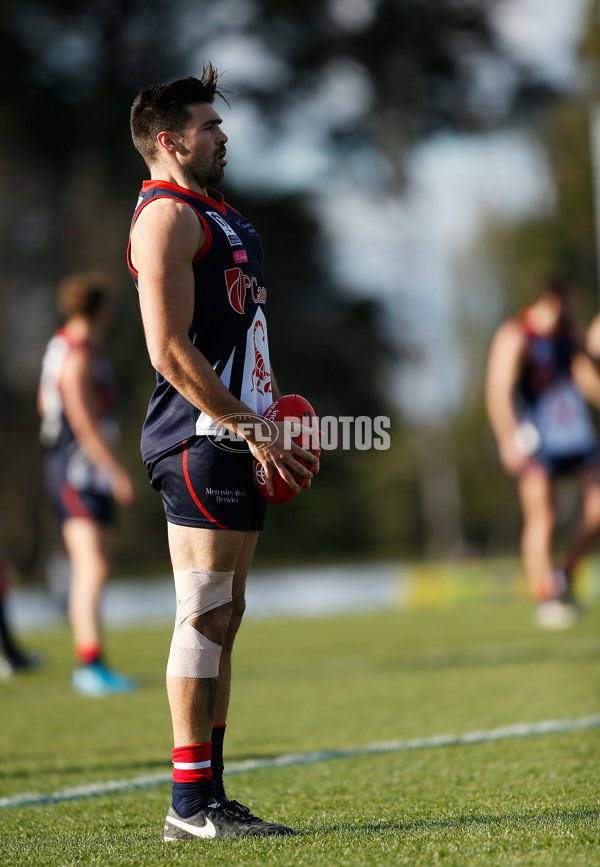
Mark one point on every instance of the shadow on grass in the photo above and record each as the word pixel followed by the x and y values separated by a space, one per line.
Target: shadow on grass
pixel 124 766
pixel 40 769
pixel 523 817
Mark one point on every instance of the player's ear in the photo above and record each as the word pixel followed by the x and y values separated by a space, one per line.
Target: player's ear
pixel 168 141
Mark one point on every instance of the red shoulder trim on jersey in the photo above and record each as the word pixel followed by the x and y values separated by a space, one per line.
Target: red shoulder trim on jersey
pixel 231 208
pixel 215 198
pixel 207 232
pixel 522 321
pixel 531 331
pixel 526 325
pixel 83 344
pixel 207 238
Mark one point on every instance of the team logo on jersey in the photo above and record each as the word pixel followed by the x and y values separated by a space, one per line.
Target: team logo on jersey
pixel 236 288
pixel 238 285
pixel 261 377
pixel 233 239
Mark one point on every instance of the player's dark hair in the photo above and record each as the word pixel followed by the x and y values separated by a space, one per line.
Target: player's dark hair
pixel 84 294
pixel 558 284
pixel 166 107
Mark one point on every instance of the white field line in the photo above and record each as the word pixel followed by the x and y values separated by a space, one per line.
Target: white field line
pixel 520 730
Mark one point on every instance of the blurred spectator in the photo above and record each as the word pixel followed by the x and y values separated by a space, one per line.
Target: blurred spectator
pixel 84 475
pixel 538 378
pixel 13 657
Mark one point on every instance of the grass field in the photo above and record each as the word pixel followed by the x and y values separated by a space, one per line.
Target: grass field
pixel 317 685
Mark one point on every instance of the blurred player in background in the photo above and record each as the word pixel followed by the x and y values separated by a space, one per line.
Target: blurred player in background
pixel 539 374
pixel 84 474
pixel 12 657
pixel 197 264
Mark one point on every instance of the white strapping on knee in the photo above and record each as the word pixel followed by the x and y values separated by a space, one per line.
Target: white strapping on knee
pixel 198 591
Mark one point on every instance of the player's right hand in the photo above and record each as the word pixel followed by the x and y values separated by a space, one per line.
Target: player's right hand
pixel 276 458
pixel 513 459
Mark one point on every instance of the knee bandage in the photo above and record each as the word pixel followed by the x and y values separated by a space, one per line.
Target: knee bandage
pixel 198 591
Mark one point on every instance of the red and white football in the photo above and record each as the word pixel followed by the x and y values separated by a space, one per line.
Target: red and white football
pixel 297 410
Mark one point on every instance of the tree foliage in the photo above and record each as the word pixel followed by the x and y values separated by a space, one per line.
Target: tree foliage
pixel 70 178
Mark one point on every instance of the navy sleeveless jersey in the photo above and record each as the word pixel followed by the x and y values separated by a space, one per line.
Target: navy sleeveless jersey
pixel 548 398
pixel 56 433
pixel 547 360
pixel 228 324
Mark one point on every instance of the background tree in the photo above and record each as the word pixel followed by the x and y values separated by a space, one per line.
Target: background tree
pixel 359 85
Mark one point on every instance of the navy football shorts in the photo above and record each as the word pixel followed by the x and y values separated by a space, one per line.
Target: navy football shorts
pixel 205 485
pixel 69 501
pixel 567 465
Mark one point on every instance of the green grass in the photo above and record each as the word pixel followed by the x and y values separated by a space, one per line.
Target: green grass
pixel 327 684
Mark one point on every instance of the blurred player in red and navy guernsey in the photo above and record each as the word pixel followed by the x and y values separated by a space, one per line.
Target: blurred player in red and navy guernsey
pixel 84 474
pixel 197 263
pixel 539 376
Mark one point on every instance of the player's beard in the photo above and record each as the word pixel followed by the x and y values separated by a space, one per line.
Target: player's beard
pixel 206 172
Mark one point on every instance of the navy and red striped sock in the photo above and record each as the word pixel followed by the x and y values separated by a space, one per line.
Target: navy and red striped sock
pixel 192 776
pixel 217 765
pixel 87 654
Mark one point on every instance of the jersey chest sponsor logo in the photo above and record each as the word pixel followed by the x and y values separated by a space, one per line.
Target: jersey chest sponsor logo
pixel 239 285
pixel 246 226
pixel 233 239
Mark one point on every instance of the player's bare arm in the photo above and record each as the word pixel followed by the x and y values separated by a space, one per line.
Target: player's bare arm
pixel 586 364
pixel 504 365
pixel 591 342
pixel 165 240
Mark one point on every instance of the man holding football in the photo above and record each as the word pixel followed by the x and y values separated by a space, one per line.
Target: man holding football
pixel 197 263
